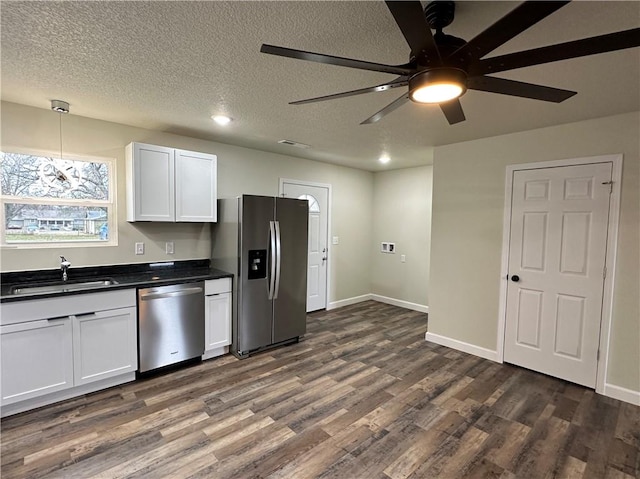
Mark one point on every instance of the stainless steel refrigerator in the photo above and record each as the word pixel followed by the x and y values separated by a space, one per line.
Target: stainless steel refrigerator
pixel 262 240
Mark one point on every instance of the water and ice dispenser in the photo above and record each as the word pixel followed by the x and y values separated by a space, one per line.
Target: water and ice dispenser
pixel 257 264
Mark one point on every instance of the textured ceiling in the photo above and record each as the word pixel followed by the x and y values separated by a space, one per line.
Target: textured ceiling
pixel 170 65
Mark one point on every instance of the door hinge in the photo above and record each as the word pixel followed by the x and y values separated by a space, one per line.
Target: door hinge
pixel 610 183
pixel 604 272
pixel 598 355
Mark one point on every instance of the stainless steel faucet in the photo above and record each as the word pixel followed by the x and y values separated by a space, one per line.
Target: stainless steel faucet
pixel 64 266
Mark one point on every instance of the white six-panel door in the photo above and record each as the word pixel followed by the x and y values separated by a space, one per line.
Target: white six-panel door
pixel 557 250
pixel 318 198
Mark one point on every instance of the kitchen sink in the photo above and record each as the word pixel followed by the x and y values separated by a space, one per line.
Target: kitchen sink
pixel 59 287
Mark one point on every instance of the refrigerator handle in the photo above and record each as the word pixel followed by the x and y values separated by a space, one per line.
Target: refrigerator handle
pixel 278 257
pixel 271 283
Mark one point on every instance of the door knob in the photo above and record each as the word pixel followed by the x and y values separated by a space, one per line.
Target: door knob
pixel 515 278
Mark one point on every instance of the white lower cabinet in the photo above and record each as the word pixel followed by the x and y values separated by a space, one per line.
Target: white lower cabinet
pixel 219 320
pixel 217 317
pixel 37 359
pixel 105 344
pixel 57 348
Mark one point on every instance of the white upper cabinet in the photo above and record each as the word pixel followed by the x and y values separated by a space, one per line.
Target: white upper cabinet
pixel 166 184
pixel 195 186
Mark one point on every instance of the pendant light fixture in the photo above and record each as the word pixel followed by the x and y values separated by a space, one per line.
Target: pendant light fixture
pixel 60 174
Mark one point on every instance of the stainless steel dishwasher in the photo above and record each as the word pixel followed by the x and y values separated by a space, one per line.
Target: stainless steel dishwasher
pixel 170 324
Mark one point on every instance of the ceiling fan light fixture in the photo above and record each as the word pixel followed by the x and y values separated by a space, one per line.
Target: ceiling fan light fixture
pixel 437 85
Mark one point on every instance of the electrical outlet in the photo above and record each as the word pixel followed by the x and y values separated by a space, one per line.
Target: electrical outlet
pixel 335 240
pixel 169 247
pixel 139 248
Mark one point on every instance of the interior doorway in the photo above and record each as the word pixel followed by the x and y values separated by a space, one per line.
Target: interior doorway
pixel 558 249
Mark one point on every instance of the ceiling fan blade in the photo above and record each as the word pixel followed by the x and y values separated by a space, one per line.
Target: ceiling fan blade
pixel 331 60
pixel 411 19
pixel 562 51
pixel 400 81
pixel 387 109
pixel 453 111
pixel 518 88
pixel 513 23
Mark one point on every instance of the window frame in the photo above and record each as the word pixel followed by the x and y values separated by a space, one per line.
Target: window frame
pixel 110 204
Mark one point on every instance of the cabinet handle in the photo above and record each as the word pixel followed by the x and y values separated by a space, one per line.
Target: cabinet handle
pixel 57 318
pixel 85 314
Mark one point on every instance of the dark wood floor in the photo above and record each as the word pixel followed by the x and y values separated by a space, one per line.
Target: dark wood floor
pixel 362 396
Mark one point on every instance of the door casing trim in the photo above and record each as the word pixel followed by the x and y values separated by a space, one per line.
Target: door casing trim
pixel 328 187
pixel 610 259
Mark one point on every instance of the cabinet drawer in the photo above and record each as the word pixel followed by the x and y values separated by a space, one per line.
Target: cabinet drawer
pixel 31 310
pixel 217 286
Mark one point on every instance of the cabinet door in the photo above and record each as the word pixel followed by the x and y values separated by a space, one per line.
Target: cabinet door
pixel 218 325
pixel 196 186
pixel 36 358
pixel 150 183
pixel 105 344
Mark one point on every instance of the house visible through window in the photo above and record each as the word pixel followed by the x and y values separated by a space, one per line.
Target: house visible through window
pixel 47 200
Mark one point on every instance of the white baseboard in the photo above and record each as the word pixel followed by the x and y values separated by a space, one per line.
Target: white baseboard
pixel 382 299
pixel 462 346
pixel 400 303
pixel 348 301
pixel 622 394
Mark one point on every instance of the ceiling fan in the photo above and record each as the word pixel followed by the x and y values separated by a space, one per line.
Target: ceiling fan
pixel 442 68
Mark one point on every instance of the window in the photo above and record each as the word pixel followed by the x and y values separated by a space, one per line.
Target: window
pixel 314 207
pixel 47 200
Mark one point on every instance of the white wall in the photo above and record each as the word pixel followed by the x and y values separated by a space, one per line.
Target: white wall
pixel 466 242
pixel 402 215
pixel 240 170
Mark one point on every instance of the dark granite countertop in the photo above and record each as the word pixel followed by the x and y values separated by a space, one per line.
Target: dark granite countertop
pixel 137 275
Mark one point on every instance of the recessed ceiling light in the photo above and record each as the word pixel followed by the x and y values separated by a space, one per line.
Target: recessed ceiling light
pixel 384 159
pixel 221 119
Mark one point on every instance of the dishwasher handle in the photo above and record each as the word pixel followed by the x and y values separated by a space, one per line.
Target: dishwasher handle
pixel 171 294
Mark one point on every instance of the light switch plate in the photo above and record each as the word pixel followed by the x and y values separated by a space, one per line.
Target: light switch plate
pixel 335 240
pixel 139 248
pixel 169 247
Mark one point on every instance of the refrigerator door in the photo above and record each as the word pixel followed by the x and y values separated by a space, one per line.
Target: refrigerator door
pixel 290 310
pixel 255 309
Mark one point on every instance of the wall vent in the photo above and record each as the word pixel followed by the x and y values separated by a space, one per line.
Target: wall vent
pixel 293 143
